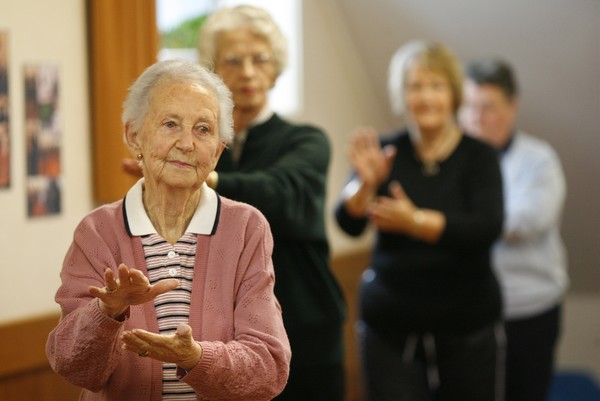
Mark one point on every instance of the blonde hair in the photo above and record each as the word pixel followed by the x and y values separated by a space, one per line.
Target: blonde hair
pixel 430 55
pixel 229 18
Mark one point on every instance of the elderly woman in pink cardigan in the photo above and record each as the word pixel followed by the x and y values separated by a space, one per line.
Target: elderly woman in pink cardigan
pixel 168 293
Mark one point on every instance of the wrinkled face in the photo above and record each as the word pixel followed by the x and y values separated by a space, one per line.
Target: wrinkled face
pixel 428 97
pixel 487 113
pixel 179 138
pixel 245 63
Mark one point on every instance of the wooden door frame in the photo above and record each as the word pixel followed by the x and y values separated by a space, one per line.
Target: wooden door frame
pixel 123 41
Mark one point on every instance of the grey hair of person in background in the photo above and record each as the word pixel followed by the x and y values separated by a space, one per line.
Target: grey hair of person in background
pixel 256 19
pixel 433 56
pixel 493 71
pixel 136 105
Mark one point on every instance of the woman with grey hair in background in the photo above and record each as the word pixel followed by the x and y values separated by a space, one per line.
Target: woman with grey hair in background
pixel 429 303
pixel 281 168
pixel 168 294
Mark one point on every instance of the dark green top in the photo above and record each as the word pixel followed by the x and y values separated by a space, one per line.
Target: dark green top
pixel 282 172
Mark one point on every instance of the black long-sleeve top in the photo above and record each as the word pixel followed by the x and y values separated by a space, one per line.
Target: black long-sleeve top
pixel 449 286
pixel 282 172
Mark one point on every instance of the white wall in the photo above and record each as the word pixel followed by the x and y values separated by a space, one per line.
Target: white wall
pixel 338 96
pixel 54 32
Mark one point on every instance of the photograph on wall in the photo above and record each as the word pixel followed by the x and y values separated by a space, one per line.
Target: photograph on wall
pixel 42 134
pixel 4 127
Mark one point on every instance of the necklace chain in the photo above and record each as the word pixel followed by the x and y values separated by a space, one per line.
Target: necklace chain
pixel 430 168
pixel 440 153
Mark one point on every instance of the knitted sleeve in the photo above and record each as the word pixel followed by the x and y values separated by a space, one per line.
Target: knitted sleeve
pixel 255 364
pixel 84 334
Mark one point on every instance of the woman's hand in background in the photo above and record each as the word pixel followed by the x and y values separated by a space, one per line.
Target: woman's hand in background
pixel 394 213
pixel 371 162
pixel 132 167
pixel 397 213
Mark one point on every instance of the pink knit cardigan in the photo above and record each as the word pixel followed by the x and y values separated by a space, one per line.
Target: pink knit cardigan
pixel 234 314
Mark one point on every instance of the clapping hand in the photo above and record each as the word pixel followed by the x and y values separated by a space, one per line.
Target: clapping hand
pixel 371 162
pixel 393 213
pixel 372 165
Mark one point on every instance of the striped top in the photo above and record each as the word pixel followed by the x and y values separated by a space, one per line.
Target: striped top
pixel 165 261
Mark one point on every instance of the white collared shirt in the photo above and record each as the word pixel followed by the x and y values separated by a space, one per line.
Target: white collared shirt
pixel 203 221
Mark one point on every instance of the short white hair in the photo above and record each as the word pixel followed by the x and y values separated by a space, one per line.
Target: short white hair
pixel 228 19
pixel 136 105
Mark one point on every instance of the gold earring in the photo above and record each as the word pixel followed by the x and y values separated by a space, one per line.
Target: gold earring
pixel 139 156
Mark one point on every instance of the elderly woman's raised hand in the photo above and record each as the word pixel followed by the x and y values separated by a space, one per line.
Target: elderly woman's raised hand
pixel 179 348
pixel 131 287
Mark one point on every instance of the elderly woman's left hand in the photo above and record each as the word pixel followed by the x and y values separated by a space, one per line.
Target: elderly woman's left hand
pixel 179 348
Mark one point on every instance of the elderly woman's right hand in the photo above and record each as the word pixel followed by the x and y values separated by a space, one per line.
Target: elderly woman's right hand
pixel 131 287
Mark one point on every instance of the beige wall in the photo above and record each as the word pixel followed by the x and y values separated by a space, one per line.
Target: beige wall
pixel 50 31
pixel 579 347
pixel 338 96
